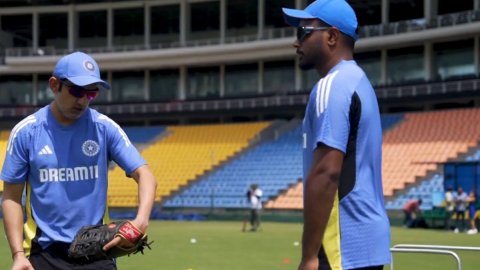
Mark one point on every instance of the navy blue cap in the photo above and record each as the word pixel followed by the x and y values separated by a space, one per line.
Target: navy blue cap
pixel 80 69
pixel 337 13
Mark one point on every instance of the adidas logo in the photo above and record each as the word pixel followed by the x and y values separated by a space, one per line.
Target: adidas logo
pixel 45 151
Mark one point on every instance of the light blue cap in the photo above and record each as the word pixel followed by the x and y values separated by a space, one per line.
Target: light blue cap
pixel 80 69
pixel 336 13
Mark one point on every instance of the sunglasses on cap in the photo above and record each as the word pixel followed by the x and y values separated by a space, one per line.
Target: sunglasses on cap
pixel 80 92
pixel 304 31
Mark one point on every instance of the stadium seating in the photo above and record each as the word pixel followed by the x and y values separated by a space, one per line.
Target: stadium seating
pixel 293 198
pixel 182 155
pixel 414 144
pixel 430 190
pixel 226 187
pixel 424 140
pixel 182 160
pixel 274 165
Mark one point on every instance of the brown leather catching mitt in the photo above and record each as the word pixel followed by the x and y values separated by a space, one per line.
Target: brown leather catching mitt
pixel 89 241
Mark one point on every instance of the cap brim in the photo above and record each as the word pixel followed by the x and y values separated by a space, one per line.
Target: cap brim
pixel 294 16
pixel 86 80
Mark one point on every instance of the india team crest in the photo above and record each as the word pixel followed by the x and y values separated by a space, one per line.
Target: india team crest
pixel 88 65
pixel 90 148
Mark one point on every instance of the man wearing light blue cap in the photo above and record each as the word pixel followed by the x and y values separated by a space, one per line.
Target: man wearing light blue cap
pixel 345 221
pixel 60 156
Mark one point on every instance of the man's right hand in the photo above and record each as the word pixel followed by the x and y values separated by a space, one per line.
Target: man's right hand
pixel 20 262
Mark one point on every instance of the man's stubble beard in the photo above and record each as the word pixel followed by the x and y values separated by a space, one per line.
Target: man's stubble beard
pixel 307 66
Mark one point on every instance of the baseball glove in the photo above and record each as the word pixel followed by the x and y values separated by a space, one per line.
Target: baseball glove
pixel 89 241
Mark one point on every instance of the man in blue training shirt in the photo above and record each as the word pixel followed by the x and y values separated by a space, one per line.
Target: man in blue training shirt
pixel 345 221
pixel 60 156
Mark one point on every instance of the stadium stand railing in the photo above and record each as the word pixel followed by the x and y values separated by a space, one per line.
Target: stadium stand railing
pixel 267 34
pixel 394 28
pixel 295 99
pixel 391 28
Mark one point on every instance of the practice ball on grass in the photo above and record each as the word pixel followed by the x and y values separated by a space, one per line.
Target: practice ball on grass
pixel 296 243
pixel 193 240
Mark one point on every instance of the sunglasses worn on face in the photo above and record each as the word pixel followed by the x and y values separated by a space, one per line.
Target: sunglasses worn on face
pixel 304 31
pixel 80 92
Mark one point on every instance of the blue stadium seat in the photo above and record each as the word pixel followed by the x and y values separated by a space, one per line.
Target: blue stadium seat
pixel 474 157
pixel 389 121
pixel 139 135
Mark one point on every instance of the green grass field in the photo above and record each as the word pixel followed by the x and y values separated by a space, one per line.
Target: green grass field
pixel 222 245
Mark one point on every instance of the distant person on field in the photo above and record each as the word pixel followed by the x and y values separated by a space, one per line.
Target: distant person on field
pixel 460 208
pixel 254 195
pixel 472 201
pixel 411 210
pixel 246 218
pixel 449 206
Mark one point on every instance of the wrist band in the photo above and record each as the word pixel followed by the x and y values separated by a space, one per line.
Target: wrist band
pixel 18 251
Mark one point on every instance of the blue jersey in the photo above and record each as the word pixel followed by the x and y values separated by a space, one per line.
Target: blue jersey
pixel 343 113
pixel 65 169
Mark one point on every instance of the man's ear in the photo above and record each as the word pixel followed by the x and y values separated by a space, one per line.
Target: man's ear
pixel 54 84
pixel 333 36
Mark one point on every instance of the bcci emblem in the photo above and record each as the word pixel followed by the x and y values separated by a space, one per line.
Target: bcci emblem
pixel 88 65
pixel 90 148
